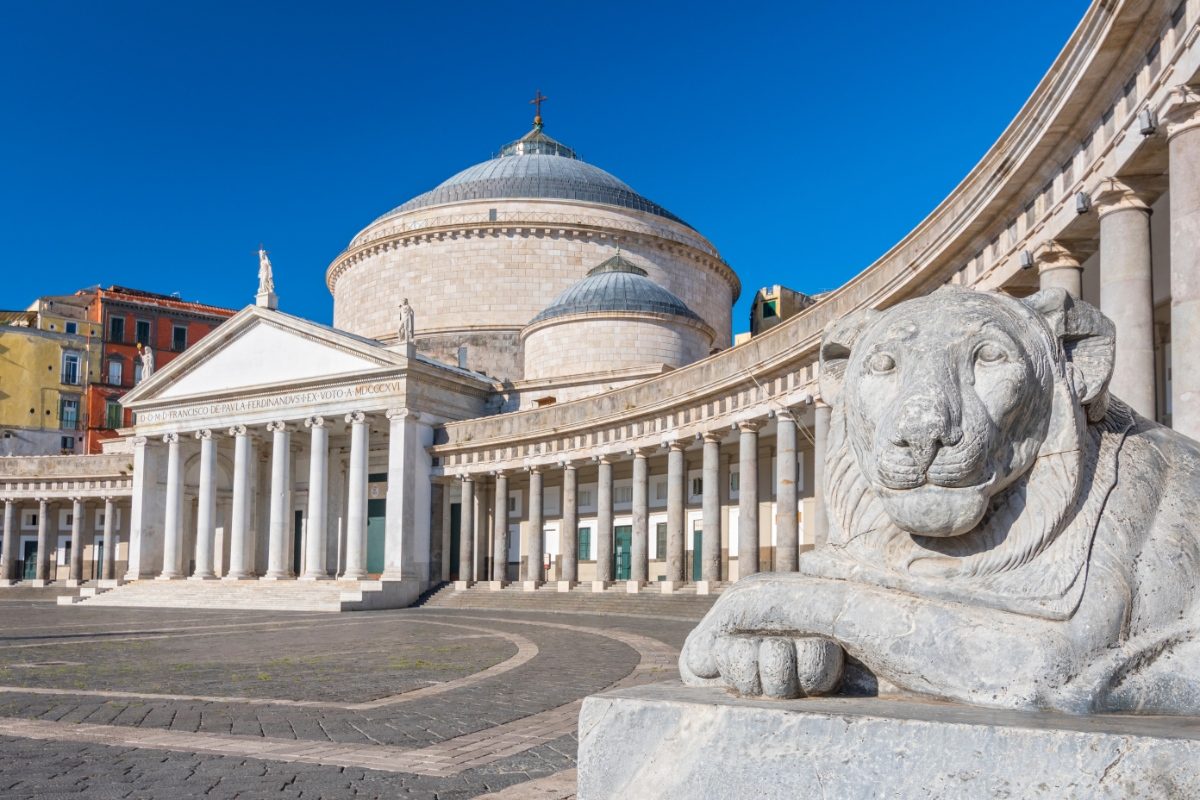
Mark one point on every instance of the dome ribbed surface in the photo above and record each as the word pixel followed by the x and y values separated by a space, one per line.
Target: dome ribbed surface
pixel 616 285
pixel 535 166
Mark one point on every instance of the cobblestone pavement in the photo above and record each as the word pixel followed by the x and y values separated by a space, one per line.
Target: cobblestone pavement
pixel 433 703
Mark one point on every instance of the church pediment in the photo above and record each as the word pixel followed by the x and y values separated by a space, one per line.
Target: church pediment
pixel 260 348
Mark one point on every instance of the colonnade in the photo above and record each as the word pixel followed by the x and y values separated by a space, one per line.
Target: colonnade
pixel 281 437
pixel 10 557
pixel 1123 207
pixel 787 521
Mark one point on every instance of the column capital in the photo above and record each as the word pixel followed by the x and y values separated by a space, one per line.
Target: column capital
pixel 356 418
pixel 1116 194
pixel 675 444
pixel 714 437
pixel 316 422
pixel 237 430
pixel 138 441
pixel 750 425
pixel 1054 254
pixel 204 434
pixel 278 426
pixel 534 468
pixel 1182 112
pixel 402 413
pixel 466 477
pixel 567 464
pixel 171 438
pixel 639 452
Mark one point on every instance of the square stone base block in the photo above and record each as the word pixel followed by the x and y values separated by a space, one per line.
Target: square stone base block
pixel 667 741
pixel 7 582
pixel 566 586
pixel 496 586
pixel 530 586
pixel 73 583
pixel 462 586
pixel 633 587
pixel 669 587
pixel 705 587
pixel 38 583
pixel 599 586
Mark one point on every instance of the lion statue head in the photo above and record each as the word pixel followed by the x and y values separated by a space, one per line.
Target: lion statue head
pixel 959 425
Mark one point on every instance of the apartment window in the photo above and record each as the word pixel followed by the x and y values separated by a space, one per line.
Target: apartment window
pixel 769 310
pixel 179 338
pixel 1068 174
pixel 137 372
pixel 514 504
pixel 735 483
pixel 585 544
pixel 552 501
pixel 658 490
pixel 1154 60
pixel 1030 214
pixel 660 541
pixel 68 413
pixel 622 494
pixel 70 367
pixel 29 520
pixel 141 331
pixel 71 327
pixel 67 444
pixel 116 329
pixel 115 371
pixel 695 485
pixel 587 497
pixel 113 416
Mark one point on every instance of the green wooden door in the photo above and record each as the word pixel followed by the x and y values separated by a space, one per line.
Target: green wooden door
pixel 697 552
pixel 297 541
pixel 622 551
pixel 376 535
pixel 455 541
pixel 29 572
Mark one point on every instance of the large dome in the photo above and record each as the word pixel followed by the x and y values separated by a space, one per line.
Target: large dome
pixel 535 166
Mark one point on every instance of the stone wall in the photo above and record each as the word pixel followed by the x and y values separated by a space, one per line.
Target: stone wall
pixel 597 343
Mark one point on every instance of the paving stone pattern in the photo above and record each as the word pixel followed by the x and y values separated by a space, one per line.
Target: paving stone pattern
pixel 508 686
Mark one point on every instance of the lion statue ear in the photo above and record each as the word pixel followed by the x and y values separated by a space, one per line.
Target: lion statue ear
pixel 1088 341
pixel 836 345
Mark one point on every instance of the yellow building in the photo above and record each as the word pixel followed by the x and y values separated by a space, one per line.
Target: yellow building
pixel 47 358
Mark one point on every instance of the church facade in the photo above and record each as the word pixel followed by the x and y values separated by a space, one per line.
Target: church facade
pixel 589 423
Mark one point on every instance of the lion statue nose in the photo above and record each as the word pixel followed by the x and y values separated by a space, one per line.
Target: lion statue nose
pixel 923 427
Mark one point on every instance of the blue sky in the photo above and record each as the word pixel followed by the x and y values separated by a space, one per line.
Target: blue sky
pixel 155 144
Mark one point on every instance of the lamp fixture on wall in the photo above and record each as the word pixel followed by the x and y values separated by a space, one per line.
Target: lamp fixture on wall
pixel 1083 203
pixel 1147 121
pixel 1026 259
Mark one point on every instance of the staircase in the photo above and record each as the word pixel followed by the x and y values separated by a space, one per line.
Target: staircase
pixel 648 601
pixel 254 595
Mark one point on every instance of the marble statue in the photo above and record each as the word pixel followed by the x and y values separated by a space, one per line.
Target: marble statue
pixel 1003 532
pixel 147 354
pixel 266 280
pixel 407 323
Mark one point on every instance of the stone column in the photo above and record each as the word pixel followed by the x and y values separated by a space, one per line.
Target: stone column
pixel 75 576
pixel 787 525
pixel 1183 153
pixel 8 564
pixel 748 498
pixel 316 543
pixel 1058 267
pixel 604 526
pixel 568 537
pixel 110 555
pixel 500 533
pixel 820 529
pixel 173 516
pixel 42 570
pixel 534 572
pixel 466 534
pixel 1126 296
pixel 710 568
pixel 639 565
pixel 406 550
pixel 676 518
pixel 356 505
pixel 240 514
pixel 278 564
pixel 206 516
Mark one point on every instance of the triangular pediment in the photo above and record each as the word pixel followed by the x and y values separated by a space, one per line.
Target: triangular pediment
pixel 259 348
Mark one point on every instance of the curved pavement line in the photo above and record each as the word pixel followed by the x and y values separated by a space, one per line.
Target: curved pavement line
pixel 526 650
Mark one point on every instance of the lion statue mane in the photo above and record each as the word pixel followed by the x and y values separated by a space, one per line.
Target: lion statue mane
pixel 1002 531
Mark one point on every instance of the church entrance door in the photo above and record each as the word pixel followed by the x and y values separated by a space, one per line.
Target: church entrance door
pixel 455 540
pixel 697 549
pixel 30 555
pixel 376 535
pixel 622 551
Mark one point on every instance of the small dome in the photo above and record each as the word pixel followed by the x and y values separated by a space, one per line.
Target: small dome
pixel 616 285
pixel 535 166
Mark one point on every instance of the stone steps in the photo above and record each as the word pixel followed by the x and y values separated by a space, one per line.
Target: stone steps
pixel 332 596
pixel 614 599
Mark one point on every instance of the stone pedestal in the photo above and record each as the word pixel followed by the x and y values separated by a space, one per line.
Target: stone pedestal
pixel 462 586
pixel 73 583
pixel 669 587
pixel 566 586
pixel 38 583
pixel 706 587
pixel 634 587
pixel 496 586
pixel 665 740
pixel 600 586
pixel 530 586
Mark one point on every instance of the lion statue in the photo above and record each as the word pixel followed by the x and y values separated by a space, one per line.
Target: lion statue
pixel 1002 531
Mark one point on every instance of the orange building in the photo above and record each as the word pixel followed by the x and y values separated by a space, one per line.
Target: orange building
pixel 128 318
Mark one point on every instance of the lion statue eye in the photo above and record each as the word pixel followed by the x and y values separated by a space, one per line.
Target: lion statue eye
pixel 990 354
pixel 881 362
